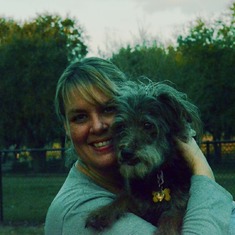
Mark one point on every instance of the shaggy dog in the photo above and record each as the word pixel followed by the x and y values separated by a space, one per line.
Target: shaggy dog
pixel 149 118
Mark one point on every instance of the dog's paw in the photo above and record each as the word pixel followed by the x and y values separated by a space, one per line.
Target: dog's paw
pixel 98 221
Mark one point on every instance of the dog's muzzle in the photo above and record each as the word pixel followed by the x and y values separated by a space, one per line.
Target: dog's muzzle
pixel 128 157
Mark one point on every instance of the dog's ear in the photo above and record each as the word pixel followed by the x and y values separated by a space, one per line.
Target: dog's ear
pixel 180 114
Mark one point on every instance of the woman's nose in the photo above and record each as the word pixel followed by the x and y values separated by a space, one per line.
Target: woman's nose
pixel 98 124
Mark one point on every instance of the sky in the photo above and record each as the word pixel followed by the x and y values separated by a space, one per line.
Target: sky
pixel 110 24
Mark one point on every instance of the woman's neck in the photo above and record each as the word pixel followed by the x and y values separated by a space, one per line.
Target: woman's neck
pixel 109 179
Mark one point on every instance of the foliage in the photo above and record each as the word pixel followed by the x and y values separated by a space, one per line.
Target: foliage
pixel 151 61
pixel 34 53
pixel 201 64
pixel 208 55
pixel 32 57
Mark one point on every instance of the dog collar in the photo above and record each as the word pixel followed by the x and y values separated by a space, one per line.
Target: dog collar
pixel 162 194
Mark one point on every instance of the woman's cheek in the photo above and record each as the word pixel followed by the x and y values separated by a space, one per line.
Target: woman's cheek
pixel 78 134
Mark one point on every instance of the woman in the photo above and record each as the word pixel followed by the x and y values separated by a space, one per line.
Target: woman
pixel 82 103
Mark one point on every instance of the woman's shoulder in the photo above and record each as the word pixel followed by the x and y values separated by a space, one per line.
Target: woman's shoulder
pixel 79 189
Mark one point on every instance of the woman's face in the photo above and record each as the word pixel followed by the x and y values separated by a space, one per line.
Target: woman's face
pixel 89 129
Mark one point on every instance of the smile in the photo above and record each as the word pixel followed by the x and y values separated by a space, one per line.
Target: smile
pixel 102 144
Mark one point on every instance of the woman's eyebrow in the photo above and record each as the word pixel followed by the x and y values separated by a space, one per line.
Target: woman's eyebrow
pixel 75 111
pixel 108 102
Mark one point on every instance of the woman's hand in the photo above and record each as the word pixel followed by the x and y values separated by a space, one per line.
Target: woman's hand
pixel 195 158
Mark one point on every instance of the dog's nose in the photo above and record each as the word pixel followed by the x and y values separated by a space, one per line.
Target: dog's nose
pixel 127 154
pixel 128 157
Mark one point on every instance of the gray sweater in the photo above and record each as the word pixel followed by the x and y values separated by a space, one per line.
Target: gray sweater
pixel 208 211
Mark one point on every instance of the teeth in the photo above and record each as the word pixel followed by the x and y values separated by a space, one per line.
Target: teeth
pixel 102 144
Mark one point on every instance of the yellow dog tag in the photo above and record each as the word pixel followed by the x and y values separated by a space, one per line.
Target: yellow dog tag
pixel 160 195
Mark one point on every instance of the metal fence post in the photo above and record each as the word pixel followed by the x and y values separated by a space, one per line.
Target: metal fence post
pixel 1 190
pixel 208 156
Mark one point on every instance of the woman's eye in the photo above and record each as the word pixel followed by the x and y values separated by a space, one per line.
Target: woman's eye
pixel 79 118
pixel 109 109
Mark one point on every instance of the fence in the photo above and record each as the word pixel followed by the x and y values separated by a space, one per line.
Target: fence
pixel 52 160
pixel 45 160
pixel 31 162
pixel 219 152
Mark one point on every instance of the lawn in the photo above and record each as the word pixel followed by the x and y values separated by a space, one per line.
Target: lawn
pixel 225 176
pixel 26 200
pixel 25 203
pixel 22 230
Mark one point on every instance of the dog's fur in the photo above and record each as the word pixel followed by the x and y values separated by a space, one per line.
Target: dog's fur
pixel 149 118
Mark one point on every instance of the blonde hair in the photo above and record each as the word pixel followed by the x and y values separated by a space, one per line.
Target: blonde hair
pixel 83 77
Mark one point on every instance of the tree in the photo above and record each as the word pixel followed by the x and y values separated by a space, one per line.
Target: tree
pixel 32 57
pixel 141 60
pixel 208 53
pixel 202 65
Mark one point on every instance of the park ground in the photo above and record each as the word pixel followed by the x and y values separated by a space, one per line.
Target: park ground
pixel 26 199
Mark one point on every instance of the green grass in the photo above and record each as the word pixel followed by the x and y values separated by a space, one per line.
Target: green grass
pixel 22 230
pixel 227 182
pixel 225 175
pixel 26 199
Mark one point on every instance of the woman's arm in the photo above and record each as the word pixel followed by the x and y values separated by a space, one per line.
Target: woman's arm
pixel 209 206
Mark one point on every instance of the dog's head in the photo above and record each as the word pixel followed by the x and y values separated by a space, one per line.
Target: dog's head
pixel 149 118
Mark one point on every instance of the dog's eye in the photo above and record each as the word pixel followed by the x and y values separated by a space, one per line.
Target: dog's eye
pixel 148 126
pixel 119 128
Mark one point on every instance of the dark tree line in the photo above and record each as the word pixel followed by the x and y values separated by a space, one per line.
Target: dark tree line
pixel 33 55
pixel 202 64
